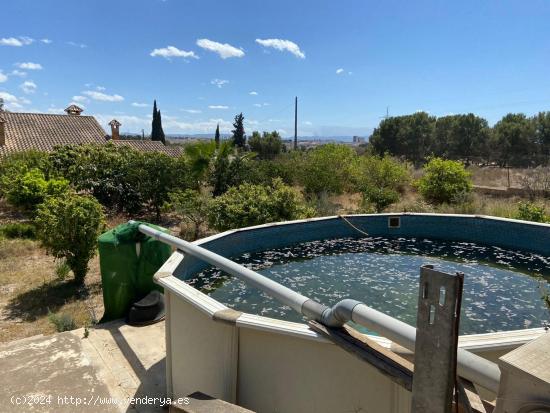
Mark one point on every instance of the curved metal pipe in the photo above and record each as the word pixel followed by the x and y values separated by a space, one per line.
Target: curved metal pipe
pixel 470 366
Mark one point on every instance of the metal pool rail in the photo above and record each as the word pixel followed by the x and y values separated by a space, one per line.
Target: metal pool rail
pixel 469 365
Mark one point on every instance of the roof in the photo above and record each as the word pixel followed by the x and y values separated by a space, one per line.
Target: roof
pixel 43 132
pixel 149 146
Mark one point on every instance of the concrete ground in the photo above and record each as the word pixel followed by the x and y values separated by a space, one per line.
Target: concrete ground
pixel 101 373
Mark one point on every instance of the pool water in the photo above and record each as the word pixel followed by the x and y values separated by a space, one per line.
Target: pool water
pixel 502 288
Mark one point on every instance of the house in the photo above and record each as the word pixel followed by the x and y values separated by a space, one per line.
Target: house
pixel 44 131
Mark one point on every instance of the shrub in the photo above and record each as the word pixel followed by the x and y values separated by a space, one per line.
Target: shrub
pixel 443 181
pixel 326 169
pixel 19 163
pixel 29 189
pixel 62 322
pixel 380 180
pixel 249 204
pixel 18 230
pixel 191 206
pixel 267 145
pixel 527 211
pixel 263 172
pixel 68 228
pixel 106 171
pixel 62 269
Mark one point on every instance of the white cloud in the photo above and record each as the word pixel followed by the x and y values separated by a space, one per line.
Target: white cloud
pixel 171 51
pixel 55 111
pixel 219 82
pixel 75 44
pixel 339 71
pixel 103 97
pixel 218 107
pixel 16 41
pixel 18 73
pixel 3 77
pixel 46 41
pixel 80 99
pixel 79 104
pixel 308 123
pixel 282 45
pixel 29 66
pixel 13 102
pixel 253 93
pixel 28 86
pixel 261 105
pixel 140 105
pixel 225 50
pixel 100 88
pixel 193 111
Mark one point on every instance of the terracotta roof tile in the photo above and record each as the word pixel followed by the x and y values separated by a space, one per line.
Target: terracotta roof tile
pixel 43 132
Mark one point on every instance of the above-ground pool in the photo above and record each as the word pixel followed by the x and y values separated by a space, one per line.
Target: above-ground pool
pixel 266 358
pixel 502 287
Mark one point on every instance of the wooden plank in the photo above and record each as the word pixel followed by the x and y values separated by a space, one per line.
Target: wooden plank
pixel 468 399
pixel 398 369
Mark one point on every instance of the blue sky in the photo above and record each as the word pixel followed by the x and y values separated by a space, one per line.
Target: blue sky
pixel 204 61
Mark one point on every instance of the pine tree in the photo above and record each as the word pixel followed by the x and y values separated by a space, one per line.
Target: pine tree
pixel 217 136
pixel 239 138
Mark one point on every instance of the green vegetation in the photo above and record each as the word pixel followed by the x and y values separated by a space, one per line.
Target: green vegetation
pixel 239 137
pixel 326 169
pixel 62 322
pixel 267 145
pixel 249 204
pixel 68 228
pixel 443 181
pixel 157 134
pixel 528 211
pixel 515 140
pixel 28 189
pixel 191 206
pixel 20 230
pixel 381 181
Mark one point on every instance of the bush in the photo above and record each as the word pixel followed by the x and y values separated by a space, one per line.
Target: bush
pixel 68 228
pixel 29 189
pixel 527 211
pixel 249 204
pixel 62 269
pixel 18 230
pixel 62 322
pixel 443 181
pixel 267 146
pixel 326 169
pixel 19 163
pixel 191 206
pixel 380 180
pixel 263 172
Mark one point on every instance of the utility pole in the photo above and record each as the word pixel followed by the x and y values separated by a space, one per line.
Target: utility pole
pixel 296 123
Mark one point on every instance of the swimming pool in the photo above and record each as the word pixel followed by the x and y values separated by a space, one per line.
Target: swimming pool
pixel 502 287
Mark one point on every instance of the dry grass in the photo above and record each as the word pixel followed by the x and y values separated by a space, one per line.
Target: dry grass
pixel 29 290
pixel 496 177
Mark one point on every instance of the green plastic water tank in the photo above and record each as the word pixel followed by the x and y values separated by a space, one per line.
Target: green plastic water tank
pixel 128 260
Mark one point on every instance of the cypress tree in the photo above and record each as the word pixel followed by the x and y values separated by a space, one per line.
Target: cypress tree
pixel 217 136
pixel 239 138
pixel 161 135
pixel 157 134
pixel 154 132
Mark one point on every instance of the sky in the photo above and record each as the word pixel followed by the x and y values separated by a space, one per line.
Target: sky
pixel 349 62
